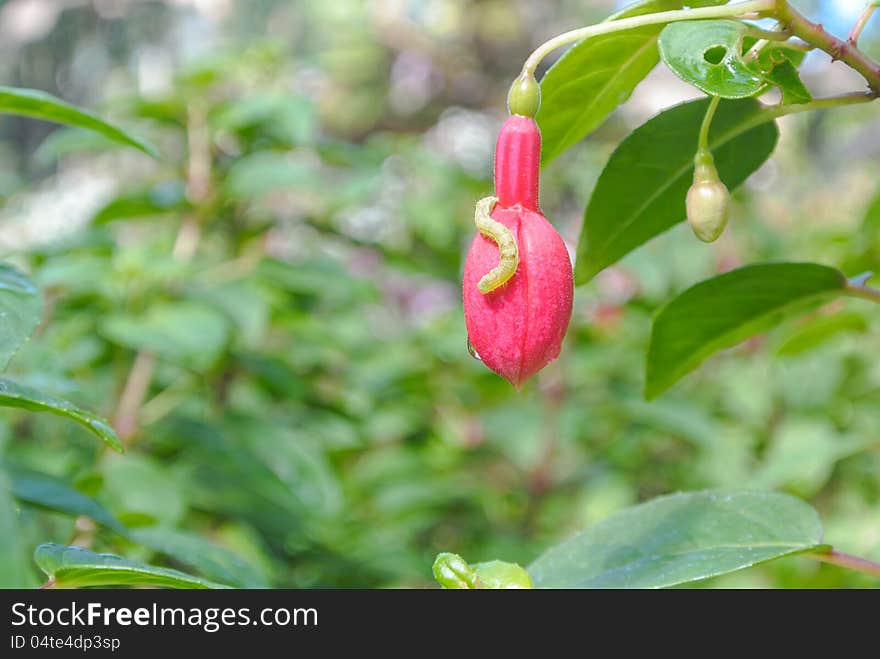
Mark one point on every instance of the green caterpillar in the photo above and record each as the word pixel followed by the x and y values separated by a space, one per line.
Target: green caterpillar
pixel 509 258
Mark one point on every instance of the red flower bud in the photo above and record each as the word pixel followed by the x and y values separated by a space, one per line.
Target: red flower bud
pixel 518 328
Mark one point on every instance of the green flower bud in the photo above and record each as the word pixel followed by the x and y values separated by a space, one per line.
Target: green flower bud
pixel 708 201
pixel 498 574
pixel 452 571
pixel 524 97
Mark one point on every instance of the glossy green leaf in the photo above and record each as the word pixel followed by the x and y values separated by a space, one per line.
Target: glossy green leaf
pixel 16 395
pixel 75 567
pixel 40 105
pixel 681 538
pixel 54 494
pixel 201 556
pixel 722 311
pixel 20 309
pixel 708 55
pixel 595 76
pixel 641 192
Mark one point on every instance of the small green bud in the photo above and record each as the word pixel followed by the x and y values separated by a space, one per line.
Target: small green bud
pixel 708 201
pixel 498 574
pixel 452 571
pixel 524 97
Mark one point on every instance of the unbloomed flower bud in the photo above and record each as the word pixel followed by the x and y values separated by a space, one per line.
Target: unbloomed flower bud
pixel 518 328
pixel 707 202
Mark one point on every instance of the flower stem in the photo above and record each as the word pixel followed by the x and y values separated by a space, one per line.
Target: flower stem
pixel 865 16
pixel 739 9
pixel 848 561
pixel 703 142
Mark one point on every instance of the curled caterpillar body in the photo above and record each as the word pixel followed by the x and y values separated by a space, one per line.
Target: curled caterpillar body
pixel 508 260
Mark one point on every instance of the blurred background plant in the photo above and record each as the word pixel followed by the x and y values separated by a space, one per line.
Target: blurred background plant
pixel 270 313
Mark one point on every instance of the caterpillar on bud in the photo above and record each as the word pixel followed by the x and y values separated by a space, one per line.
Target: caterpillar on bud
pixel 508 260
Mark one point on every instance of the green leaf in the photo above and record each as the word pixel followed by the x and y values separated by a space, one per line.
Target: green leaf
pixel 54 494
pixel 816 332
pixel 14 569
pixel 641 192
pixel 40 105
pixel 722 311
pixel 156 201
pixel 190 333
pixel 263 172
pixel 595 76
pixel 142 487
pixel 802 453
pixel 681 538
pixel 75 567
pixel 20 308
pixel 201 555
pixel 16 395
pixel 776 67
pixel 708 55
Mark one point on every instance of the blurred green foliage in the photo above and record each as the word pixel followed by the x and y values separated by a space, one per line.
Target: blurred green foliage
pixel 270 316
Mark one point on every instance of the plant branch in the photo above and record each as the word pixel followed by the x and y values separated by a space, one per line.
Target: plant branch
pixel 854 98
pixel 864 292
pixel 848 561
pixel 862 21
pixel 198 189
pixel 737 10
pixel 815 34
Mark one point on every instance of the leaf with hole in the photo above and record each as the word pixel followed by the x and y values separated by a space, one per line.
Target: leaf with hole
pixel 16 395
pixel 722 311
pixel 641 192
pixel 20 308
pixel 40 105
pixel 708 55
pixel 76 567
pixel 681 538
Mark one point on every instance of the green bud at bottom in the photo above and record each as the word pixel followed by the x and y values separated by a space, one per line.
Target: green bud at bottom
pixel 452 571
pixel 707 202
pixel 524 97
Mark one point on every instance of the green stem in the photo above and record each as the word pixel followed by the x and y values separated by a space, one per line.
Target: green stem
pixel 865 16
pixel 815 34
pixel 767 35
pixel 703 142
pixel 848 561
pixel 740 9
pixel 854 98
pixel 864 292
